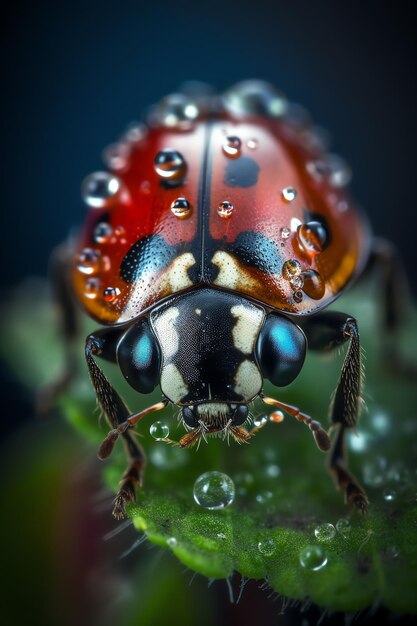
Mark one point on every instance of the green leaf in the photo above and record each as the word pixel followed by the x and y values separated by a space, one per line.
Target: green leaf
pixel 283 491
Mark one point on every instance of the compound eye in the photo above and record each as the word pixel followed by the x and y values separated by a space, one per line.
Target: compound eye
pixel 240 415
pixel 189 416
pixel 139 358
pixel 280 350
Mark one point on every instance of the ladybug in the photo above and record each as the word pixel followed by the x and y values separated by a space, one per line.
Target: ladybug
pixel 214 241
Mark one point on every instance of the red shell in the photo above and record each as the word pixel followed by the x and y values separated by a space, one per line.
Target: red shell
pixel 245 251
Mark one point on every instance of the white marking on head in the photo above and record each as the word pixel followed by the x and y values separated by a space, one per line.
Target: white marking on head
pixel 166 331
pixel 172 383
pixel 246 330
pixel 248 381
pixel 211 409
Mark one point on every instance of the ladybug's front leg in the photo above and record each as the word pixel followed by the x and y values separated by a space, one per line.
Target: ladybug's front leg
pixel 324 332
pixel 116 412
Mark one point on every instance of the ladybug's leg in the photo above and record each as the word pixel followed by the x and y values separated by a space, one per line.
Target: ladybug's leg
pixel 386 262
pixel 324 332
pixel 68 326
pixel 116 412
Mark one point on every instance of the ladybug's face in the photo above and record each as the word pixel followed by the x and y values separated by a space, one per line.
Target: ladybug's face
pixel 209 351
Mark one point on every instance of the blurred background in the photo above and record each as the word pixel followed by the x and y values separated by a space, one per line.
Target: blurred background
pixel 73 75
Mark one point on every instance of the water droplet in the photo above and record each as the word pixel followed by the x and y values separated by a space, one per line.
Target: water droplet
pixel 313 557
pixel 254 97
pixel 176 110
pixel 285 232
pixel 232 146
pixel 260 420
pixel 110 294
pixel 92 287
pixel 312 237
pixel 115 156
pixel 267 546
pixel 88 261
pixel 289 194
pixel 102 232
pixel 276 416
pixel 331 168
pixel 291 268
pixel 297 282
pixel 98 188
pixel 214 490
pixel 314 285
pixel 172 542
pixel 272 471
pixel 389 495
pixel 145 187
pixel 252 144
pixel 135 132
pixel 325 532
pixel 159 430
pixel 181 208
pixel 119 231
pixel 264 497
pixel 170 165
pixel 168 457
pixel 381 422
pixel 343 527
pixel 225 209
pixel 297 296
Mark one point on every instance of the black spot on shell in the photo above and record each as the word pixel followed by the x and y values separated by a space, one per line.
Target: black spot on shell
pixel 241 172
pixel 149 255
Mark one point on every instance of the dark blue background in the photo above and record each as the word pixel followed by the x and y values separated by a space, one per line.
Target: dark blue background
pixel 73 75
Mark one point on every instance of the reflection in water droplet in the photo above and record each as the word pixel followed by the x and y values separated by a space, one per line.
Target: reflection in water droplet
pixel 325 532
pixel 181 208
pixel 159 430
pixel 92 287
pixel 297 296
pixel 314 285
pixel 343 526
pixel 110 294
pixel 267 546
pixel 297 282
pixel 214 490
pixel 225 209
pixel 115 156
pixel 119 231
pixel 260 420
pixel 312 237
pixel 102 232
pixel 313 557
pixel 172 542
pixel 170 164
pixel 264 497
pixel 285 232
pixel 232 146
pixel 289 194
pixel 88 261
pixel 252 144
pixel 98 188
pixel 389 495
pixel 291 268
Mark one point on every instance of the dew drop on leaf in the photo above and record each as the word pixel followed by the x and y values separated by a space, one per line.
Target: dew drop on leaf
pixel 313 557
pixel 214 490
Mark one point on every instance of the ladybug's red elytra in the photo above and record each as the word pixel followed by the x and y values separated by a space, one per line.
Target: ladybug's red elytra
pixel 215 238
